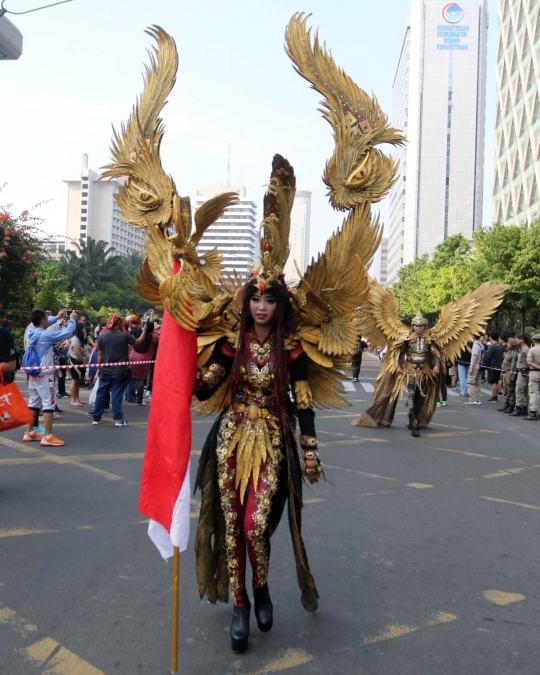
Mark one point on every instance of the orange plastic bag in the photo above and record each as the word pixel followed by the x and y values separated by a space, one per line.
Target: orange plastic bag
pixel 13 409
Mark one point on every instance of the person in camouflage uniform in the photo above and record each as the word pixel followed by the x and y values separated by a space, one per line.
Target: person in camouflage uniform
pixel 522 381
pixel 509 373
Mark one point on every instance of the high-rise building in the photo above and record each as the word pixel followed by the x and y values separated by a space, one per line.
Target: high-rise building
pixel 379 268
pixel 93 212
pixel 439 102
pixel 55 245
pixel 299 235
pixel 236 233
pixel 517 125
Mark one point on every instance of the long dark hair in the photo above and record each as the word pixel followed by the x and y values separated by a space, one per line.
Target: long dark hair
pixel 147 341
pixel 78 333
pixel 283 325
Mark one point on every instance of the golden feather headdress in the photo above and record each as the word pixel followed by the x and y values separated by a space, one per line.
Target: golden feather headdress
pixel 275 227
pixel 419 319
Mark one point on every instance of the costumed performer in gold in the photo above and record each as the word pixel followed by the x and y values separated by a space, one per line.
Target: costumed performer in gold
pixel 417 358
pixel 269 354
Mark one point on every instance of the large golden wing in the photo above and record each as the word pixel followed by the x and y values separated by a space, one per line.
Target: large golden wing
pixel 460 320
pixel 357 171
pixel 150 192
pixel 380 322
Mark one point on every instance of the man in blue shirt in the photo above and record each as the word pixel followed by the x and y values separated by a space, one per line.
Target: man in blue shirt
pixel 41 388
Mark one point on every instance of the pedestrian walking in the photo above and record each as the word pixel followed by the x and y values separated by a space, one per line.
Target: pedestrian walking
pixel 533 361
pixel 357 358
pixel 509 372
pixel 113 347
pixel 522 381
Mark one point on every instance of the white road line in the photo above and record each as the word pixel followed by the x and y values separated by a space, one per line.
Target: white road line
pixel 349 386
pixel 367 387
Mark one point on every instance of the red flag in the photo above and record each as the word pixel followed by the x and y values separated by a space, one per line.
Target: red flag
pixel 165 488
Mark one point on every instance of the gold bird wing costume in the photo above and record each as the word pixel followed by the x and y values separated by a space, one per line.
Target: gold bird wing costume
pixel 200 298
pixel 458 322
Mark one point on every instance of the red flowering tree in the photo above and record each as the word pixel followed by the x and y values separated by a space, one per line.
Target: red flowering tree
pixel 21 250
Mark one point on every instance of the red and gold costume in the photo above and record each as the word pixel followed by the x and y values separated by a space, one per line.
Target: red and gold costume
pixel 254 461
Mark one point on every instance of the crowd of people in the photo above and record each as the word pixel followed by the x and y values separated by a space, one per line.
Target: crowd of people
pixel 65 347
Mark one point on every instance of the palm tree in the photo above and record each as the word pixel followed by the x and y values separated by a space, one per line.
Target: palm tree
pixel 93 263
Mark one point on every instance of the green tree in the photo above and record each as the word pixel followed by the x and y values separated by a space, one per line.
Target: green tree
pixel 21 253
pixel 92 264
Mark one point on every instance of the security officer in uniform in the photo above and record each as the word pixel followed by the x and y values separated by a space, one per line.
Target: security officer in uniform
pixel 522 382
pixel 508 369
pixel 533 361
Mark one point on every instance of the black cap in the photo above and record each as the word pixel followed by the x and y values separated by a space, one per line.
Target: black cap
pixel 521 336
pixel 2 313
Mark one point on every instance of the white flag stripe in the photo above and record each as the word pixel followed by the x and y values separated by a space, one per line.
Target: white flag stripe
pixel 179 526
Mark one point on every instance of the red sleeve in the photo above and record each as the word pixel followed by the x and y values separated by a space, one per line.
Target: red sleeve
pixel 227 350
pixel 295 353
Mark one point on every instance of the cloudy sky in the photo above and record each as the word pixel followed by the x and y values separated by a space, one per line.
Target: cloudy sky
pixel 82 64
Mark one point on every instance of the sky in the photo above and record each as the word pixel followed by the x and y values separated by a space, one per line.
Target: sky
pixel 82 65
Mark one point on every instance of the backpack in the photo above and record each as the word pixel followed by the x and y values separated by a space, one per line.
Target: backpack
pixel 30 360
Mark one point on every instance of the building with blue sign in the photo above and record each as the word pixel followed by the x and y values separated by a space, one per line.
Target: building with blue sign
pixel 439 101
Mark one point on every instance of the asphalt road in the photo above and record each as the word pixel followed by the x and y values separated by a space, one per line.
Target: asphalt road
pixel 425 553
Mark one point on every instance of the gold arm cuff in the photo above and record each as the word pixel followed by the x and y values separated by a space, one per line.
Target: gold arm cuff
pixel 303 395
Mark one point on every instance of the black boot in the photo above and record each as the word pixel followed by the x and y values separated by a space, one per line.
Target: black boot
pixel 531 416
pixel 504 408
pixel 240 626
pixel 518 412
pixel 509 410
pixel 413 425
pixel 264 610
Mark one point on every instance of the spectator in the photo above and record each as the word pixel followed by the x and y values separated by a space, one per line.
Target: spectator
pixel 493 361
pixel 463 364
pixel 357 358
pixel 99 327
pixel 8 354
pixel 41 388
pixel 474 373
pixel 113 348
pixel 60 359
pixel 142 352
pixel 78 357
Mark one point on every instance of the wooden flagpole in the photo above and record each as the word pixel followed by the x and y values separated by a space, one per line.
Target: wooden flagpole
pixel 175 604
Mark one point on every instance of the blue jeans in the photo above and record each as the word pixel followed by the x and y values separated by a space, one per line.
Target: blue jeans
pixel 131 390
pixel 462 372
pixel 116 385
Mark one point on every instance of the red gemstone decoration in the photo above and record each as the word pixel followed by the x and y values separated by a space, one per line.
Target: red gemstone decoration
pixel 362 173
pixel 366 126
pixel 262 287
pixel 267 247
pixel 141 195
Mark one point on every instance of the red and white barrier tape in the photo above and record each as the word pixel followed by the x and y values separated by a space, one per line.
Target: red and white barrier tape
pixel 86 365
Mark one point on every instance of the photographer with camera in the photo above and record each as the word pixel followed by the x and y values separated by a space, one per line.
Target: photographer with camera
pixel 41 341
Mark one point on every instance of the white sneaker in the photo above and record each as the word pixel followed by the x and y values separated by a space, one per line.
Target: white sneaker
pixel 123 423
pixel 473 403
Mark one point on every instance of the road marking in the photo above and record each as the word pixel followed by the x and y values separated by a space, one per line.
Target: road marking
pixel 352 441
pixel 47 652
pixel 450 426
pixel 505 501
pixel 397 630
pixel 58 459
pixel 22 532
pixel 362 473
pixel 315 500
pixel 448 434
pixel 349 386
pixel 369 388
pixel 59 660
pixel 331 417
pixel 475 454
pixel 501 597
pixel 290 659
pixel 419 486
